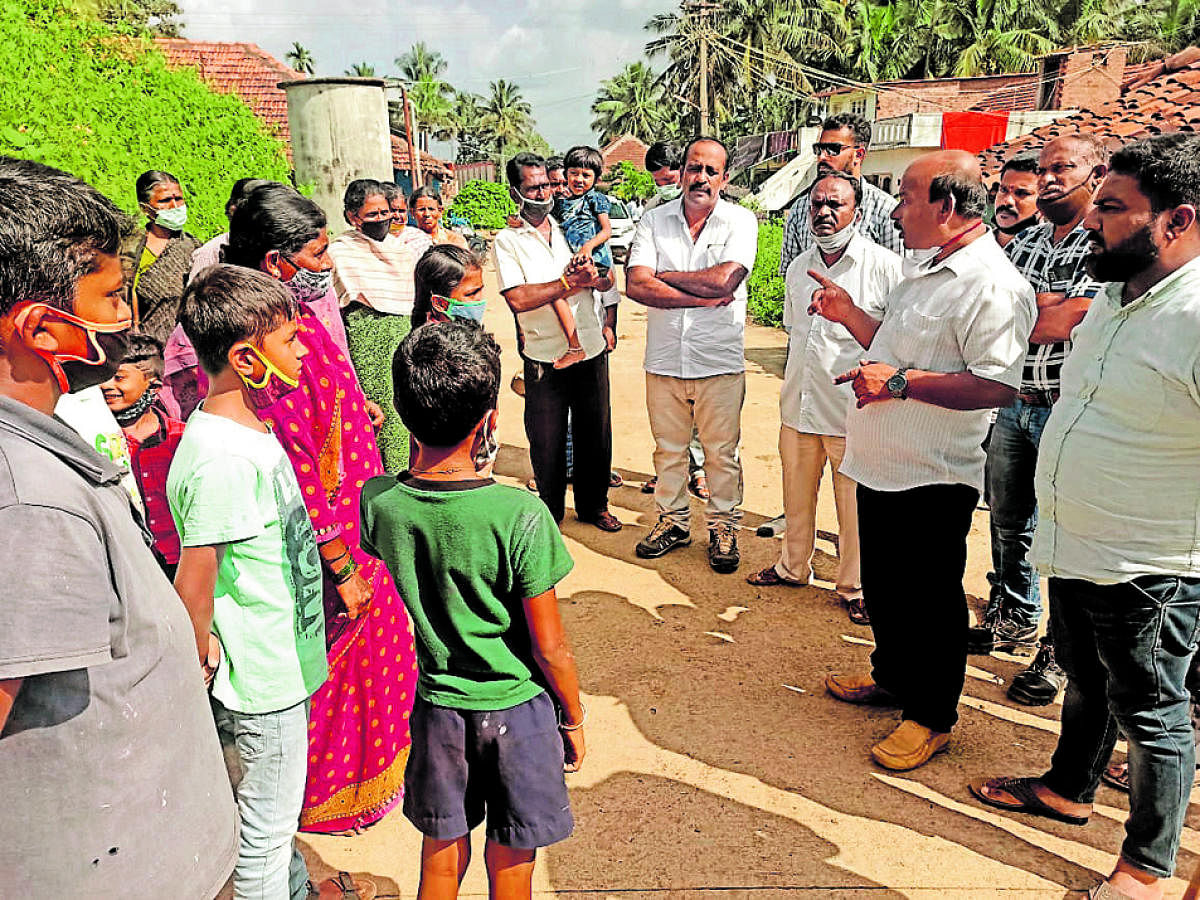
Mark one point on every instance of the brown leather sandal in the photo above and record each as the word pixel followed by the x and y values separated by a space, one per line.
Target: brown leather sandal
pixel 768 577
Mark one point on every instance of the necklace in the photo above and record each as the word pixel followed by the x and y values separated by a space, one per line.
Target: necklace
pixel 449 470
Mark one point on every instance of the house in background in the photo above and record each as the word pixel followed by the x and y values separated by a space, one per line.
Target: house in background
pixel 626 148
pixel 434 173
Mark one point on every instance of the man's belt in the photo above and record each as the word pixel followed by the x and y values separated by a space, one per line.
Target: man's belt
pixel 1038 397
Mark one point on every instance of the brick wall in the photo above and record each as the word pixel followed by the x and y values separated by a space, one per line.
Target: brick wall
pixel 1091 78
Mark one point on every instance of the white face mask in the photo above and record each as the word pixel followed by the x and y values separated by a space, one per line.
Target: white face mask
pixel 915 262
pixel 669 192
pixel 172 219
pixel 832 243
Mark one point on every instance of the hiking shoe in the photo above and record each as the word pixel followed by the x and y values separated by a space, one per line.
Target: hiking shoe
pixel 723 553
pixel 662 539
pixel 1009 634
pixel 1039 684
pixel 982 639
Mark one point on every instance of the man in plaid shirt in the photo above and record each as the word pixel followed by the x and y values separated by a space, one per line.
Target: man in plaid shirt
pixel 842 146
pixel 1051 256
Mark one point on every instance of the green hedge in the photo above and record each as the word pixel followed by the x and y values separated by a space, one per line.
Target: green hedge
pixel 484 204
pixel 765 286
pixel 101 103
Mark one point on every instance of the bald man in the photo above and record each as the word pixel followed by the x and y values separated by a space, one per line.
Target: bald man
pixel 949 348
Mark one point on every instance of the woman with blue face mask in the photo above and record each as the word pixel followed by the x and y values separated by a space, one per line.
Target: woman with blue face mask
pixel 157 260
pixel 449 285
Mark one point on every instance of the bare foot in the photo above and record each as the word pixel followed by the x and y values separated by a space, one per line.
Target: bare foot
pixel 572 356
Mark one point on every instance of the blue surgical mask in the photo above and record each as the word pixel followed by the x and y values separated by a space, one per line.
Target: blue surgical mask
pixel 446 308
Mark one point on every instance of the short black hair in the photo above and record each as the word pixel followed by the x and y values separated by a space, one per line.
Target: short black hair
pixel 147 180
pixel 423 191
pixel 970 196
pixel 856 123
pixel 446 377
pixel 225 304
pixel 704 140
pixel 1022 162
pixel 53 227
pixel 359 191
pixel 553 163
pixel 273 216
pixel 584 157
pixel 238 192
pixel 1166 167
pixel 663 153
pixel 439 271
pixel 523 160
pixel 146 352
pixel 855 183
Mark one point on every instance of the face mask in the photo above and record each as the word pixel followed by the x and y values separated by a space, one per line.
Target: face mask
pixel 272 387
pixel 171 219
pixel 307 285
pixel 915 262
pixel 376 231
pixel 447 308
pixel 127 417
pixel 106 345
pixel 489 449
pixel 668 192
pixel 1017 227
pixel 832 243
pixel 539 209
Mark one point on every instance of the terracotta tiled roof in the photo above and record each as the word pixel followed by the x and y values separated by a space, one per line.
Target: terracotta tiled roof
pixel 243 69
pixel 626 148
pixel 1158 99
pixel 430 164
pixel 1020 95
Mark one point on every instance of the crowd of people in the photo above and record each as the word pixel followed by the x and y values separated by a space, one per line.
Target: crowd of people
pixel 293 488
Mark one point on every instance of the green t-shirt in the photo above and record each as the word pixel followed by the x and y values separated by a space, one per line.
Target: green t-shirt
pixel 232 485
pixel 465 556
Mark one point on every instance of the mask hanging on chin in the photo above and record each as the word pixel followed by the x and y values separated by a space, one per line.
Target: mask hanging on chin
pixel 376 231
pixel 832 243
pixel 106 347
pixel 669 192
pixel 272 387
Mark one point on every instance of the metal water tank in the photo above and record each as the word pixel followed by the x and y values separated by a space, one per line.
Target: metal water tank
pixel 339 132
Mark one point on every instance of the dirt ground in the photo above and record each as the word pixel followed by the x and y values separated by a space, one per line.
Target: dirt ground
pixel 716 762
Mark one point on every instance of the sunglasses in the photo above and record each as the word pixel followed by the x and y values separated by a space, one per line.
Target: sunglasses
pixel 831 148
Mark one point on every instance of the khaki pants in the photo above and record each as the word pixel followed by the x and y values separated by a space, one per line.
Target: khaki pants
pixel 713 406
pixel 803 456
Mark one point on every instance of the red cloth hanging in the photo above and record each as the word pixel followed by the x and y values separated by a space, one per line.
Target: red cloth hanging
pixel 973 131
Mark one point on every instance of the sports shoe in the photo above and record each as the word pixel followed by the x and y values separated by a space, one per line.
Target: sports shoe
pixel 662 539
pixel 982 639
pixel 1039 684
pixel 723 553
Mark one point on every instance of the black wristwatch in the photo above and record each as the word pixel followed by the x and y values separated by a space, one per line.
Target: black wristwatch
pixel 897 385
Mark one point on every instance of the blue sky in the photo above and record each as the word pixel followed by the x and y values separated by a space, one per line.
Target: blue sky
pixel 557 51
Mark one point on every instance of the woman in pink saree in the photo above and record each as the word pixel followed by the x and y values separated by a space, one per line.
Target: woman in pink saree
pixel 358 722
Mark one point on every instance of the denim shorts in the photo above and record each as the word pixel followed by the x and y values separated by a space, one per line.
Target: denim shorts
pixel 504 764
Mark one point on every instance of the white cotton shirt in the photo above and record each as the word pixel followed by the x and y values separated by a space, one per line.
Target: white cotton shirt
pixel 971 312
pixel 820 350
pixel 697 342
pixel 523 256
pixel 1118 470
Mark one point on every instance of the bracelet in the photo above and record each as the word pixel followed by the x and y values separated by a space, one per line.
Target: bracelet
pixel 566 284
pixel 345 573
pixel 563 726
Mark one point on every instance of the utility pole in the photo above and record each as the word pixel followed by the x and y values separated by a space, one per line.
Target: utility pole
pixel 414 161
pixel 701 9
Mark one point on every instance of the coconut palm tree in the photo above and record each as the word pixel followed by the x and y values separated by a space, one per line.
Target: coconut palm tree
pixel 419 61
pixel 434 102
pixel 505 115
pixel 995 36
pixel 630 102
pixel 301 59
pixel 361 70
pixel 873 41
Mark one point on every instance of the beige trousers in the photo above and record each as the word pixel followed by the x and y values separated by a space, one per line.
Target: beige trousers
pixel 713 406
pixel 803 456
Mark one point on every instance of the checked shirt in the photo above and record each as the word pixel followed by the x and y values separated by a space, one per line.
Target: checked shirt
pixel 876 225
pixel 1051 269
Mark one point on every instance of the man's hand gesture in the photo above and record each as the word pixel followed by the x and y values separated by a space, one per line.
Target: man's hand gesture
pixel 869 381
pixel 829 300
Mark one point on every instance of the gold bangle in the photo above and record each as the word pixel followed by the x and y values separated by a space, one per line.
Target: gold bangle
pixel 566 284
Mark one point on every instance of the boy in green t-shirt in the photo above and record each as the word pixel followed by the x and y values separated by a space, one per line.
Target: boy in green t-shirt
pixel 476 563
pixel 249 571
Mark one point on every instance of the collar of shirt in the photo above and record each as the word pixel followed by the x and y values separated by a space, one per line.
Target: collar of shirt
pixel 852 255
pixel 55 436
pixel 1163 288
pixel 967 258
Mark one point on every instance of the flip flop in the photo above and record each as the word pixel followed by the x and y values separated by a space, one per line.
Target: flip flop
pixel 1117 776
pixel 1028 802
pixel 857 610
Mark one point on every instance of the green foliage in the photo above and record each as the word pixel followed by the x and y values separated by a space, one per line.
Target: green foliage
pixel 629 182
pixel 484 204
pixel 765 286
pixel 101 103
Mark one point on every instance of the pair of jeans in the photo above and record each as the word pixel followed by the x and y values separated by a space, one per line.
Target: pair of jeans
pixel 1011 459
pixel 1127 650
pixel 267 758
pixel 578 393
pixel 913 551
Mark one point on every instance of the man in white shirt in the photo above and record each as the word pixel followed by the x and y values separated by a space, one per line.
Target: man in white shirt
pixel 1118 526
pixel 533 262
pixel 688 264
pixel 812 409
pixel 950 347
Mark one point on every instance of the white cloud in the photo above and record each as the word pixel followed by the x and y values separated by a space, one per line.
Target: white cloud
pixel 556 51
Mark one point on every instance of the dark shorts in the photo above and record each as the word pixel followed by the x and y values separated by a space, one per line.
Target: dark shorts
pixel 507 764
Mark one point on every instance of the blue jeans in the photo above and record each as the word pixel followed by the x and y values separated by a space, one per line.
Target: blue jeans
pixel 1011 458
pixel 267 757
pixel 1127 649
